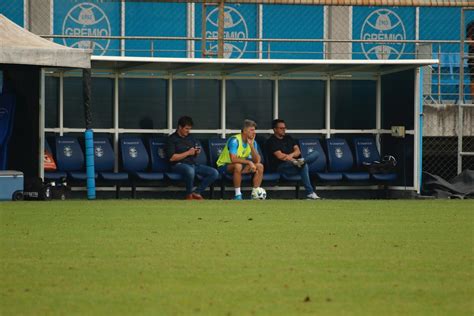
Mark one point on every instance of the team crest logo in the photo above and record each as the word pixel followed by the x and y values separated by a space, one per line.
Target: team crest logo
pixel 383 24
pixel 67 150
pixel 366 152
pixel 133 152
pixel 219 152
pixel 338 152
pixel 310 150
pixel 87 19
pixel 235 27
pixel 99 152
pixel 161 153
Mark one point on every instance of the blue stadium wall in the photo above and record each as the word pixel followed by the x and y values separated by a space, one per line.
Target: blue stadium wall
pixel 111 18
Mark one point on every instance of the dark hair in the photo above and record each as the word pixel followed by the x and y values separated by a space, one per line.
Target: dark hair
pixel 470 29
pixel 185 121
pixel 275 122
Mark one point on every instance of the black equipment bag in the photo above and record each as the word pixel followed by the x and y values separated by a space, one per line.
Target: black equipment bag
pixel 387 165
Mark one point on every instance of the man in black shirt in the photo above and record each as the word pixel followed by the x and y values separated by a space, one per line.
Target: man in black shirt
pixel 182 150
pixel 284 156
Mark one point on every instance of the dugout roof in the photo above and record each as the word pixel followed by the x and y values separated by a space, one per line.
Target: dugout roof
pixel 255 66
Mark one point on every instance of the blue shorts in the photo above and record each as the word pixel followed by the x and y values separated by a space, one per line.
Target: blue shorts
pixel 223 168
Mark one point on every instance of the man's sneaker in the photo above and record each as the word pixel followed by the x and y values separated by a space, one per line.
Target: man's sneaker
pixel 298 162
pixel 312 196
pixel 238 197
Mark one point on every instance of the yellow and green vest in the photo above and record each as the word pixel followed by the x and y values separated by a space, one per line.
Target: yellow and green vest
pixel 242 152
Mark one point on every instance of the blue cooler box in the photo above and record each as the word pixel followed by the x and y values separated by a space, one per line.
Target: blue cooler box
pixel 11 185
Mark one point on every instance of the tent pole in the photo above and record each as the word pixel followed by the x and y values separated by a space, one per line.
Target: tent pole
pixel 328 107
pixel 378 110
pixel 417 137
pixel 41 125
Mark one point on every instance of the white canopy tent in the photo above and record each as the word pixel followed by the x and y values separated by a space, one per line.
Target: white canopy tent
pixel 21 47
pixel 25 55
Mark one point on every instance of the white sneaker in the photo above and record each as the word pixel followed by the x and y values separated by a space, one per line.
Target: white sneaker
pixel 313 196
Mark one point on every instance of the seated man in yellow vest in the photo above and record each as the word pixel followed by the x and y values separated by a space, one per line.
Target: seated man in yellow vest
pixel 240 156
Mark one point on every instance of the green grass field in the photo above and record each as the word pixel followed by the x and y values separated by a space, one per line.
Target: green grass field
pixel 275 257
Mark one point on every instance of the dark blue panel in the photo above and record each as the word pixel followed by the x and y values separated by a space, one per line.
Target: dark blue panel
pixel 353 104
pixel 293 22
pixel 142 103
pixel 302 103
pixel 199 99
pixel 101 102
pixel 52 102
pixel 249 99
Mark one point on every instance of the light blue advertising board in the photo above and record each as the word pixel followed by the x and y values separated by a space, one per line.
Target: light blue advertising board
pixel 155 19
pixel 293 22
pixel 240 22
pixel 383 23
pixel 88 18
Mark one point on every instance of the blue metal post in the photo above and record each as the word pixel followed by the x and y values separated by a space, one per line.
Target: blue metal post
pixel 90 169
pixel 420 162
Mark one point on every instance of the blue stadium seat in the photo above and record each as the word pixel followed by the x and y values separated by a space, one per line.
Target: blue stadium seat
pixel 341 160
pixel 159 160
pixel 104 161
pixel 268 176
pixel 53 175
pixel 317 168
pixel 135 161
pixel 366 152
pixel 7 113
pixel 70 158
pixel 216 145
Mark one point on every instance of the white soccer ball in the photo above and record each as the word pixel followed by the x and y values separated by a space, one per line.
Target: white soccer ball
pixel 259 194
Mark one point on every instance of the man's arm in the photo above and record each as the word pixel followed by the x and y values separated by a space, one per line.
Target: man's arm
pixel 177 157
pixel 173 156
pixel 254 152
pixel 296 151
pixel 288 157
pixel 283 156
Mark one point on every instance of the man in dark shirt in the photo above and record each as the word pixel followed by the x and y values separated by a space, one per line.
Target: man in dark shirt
pixel 182 150
pixel 284 156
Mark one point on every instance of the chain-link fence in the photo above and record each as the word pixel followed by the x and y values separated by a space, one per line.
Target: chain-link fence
pixel 174 29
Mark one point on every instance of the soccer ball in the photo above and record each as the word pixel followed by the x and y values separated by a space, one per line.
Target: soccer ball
pixel 259 194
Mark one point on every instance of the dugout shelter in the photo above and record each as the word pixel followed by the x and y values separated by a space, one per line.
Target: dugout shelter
pixel 338 98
